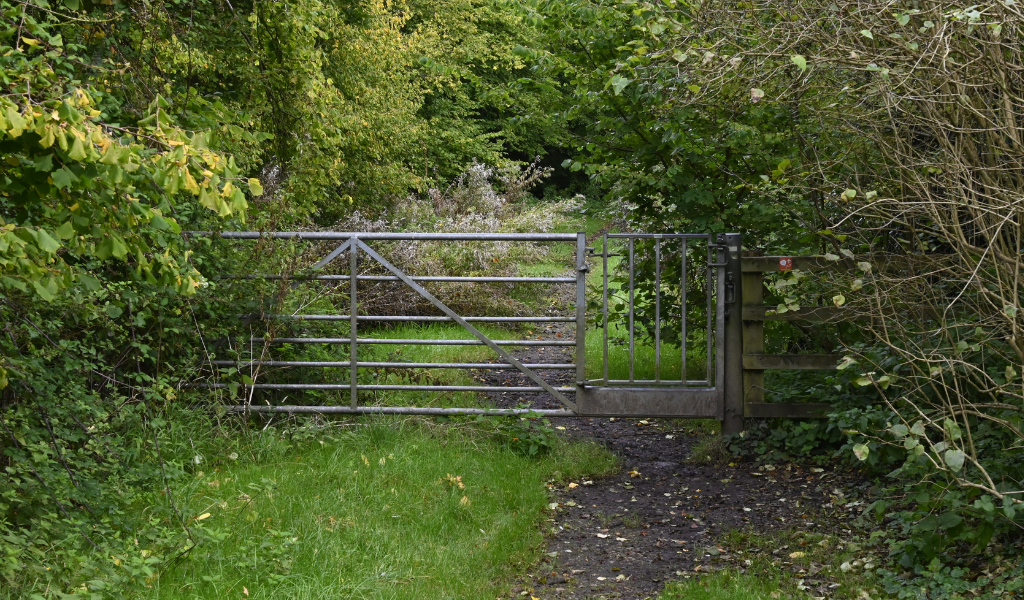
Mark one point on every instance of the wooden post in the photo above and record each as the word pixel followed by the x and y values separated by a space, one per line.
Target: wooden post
pixel 753 338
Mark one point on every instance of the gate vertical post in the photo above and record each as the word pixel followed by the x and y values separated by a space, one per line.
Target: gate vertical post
pixel 581 317
pixel 733 384
pixel 353 353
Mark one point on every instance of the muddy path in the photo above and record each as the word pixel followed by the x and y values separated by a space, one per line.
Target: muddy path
pixel 663 515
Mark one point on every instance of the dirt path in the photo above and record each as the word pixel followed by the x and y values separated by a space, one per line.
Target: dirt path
pixel 661 516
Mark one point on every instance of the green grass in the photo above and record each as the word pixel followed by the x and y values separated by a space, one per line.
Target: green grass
pixel 370 507
pixel 722 585
pixel 371 511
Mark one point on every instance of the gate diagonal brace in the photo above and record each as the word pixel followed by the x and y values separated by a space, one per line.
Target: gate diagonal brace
pixel 334 254
pixel 473 330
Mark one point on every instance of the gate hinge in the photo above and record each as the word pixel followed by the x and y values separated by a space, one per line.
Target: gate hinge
pixel 584 269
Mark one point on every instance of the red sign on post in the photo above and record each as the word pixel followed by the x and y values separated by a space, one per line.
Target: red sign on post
pixel 785 263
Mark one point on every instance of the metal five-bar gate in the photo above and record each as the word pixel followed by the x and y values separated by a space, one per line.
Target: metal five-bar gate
pixel 657 310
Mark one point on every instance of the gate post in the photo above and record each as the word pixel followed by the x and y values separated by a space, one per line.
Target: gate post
pixel 733 384
pixel 581 318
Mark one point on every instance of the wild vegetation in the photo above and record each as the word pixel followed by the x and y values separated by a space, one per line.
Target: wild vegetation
pixel 881 134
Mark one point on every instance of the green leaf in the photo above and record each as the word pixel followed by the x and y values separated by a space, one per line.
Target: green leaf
pixel 830 256
pixel 952 428
pixel 1010 310
pixel 90 283
pixel 63 178
pixel 3 380
pixel 1010 373
pixel 867 33
pixel 15 121
pixel 46 243
pixel 72 4
pixel 77 151
pixel 899 430
pixel 44 291
pixel 695 89
pixel 113 311
pixel 799 61
pixel 903 19
pixel 954 459
pixel 839 299
pixel 917 428
pixel 44 163
pixel 65 231
pixel 254 187
pixel 619 83
pixel 863 381
pixel 159 223
pixel 861 451
pixel 117 246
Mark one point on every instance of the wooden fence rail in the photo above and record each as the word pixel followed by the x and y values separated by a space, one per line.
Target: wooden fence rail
pixel 755 313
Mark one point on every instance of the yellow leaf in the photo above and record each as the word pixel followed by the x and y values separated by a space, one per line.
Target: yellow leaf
pixel 190 183
pixel 203 516
pixel 30 41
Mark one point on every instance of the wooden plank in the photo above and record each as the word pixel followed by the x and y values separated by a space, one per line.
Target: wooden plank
pixel 787 410
pixel 810 313
pixel 815 362
pixel 753 338
pixel 762 264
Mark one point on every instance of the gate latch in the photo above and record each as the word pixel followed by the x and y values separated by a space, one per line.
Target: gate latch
pixel 719 248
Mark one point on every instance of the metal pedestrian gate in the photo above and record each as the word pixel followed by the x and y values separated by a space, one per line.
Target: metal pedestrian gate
pixel 642 316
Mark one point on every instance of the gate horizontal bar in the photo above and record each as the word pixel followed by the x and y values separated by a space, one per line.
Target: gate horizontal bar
pixel 382 235
pixel 404 318
pixel 660 236
pixel 405 410
pixel 393 278
pixel 412 342
pixel 374 387
pixel 697 382
pixel 301 363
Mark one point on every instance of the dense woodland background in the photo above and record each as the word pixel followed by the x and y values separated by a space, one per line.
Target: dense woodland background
pixel 859 130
